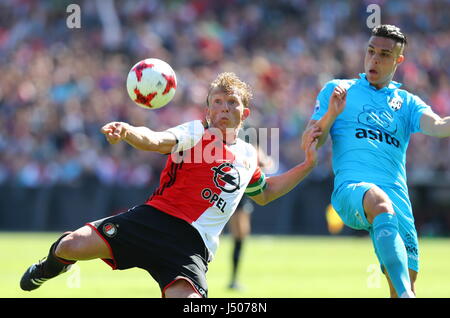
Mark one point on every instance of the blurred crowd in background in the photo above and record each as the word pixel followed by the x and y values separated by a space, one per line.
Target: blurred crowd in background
pixel 59 86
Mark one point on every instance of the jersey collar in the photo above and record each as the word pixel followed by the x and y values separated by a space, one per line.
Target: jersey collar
pixel 393 85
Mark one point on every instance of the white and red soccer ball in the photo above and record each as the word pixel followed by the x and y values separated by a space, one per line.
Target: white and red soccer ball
pixel 151 83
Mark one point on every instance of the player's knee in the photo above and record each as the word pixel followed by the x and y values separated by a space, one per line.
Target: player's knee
pixel 68 247
pixel 181 289
pixel 376 201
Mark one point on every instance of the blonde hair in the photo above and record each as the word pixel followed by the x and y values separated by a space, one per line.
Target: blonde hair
pixel 229 82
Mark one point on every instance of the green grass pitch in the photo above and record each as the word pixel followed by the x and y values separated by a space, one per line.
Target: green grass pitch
pixel 272 267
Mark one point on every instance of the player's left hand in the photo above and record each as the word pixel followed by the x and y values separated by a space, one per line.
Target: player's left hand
pixel 311 153
pixel 311 133
pixel 310 139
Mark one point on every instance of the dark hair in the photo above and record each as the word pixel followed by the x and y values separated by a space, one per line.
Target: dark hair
pixel 390 32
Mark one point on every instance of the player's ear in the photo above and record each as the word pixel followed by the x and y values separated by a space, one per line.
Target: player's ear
pixel 245 113
pixel 400 59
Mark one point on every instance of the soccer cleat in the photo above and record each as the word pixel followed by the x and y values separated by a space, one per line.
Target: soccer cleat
pixel 34 276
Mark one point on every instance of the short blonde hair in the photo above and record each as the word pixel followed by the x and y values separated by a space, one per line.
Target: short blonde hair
pixel 229 82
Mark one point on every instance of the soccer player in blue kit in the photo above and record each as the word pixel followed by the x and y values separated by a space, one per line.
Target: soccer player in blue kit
pixel 370 120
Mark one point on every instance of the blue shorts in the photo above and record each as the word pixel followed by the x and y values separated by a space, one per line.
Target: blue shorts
pixel 347 200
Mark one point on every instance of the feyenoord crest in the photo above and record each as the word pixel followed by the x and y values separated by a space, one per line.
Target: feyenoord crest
pixel 396 103
pixel 226 177
pixel 110 229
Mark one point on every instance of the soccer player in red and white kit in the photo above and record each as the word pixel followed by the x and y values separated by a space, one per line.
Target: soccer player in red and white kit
pixel 174 235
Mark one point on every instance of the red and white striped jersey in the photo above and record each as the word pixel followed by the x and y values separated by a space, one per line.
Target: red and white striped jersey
pixel 204 180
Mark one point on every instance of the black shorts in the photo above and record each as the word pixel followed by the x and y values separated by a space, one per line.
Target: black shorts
pixel 167 247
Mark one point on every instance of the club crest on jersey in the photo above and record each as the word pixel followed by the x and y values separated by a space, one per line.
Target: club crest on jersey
pixel 110 229
pixel 396 103
pixel 226 177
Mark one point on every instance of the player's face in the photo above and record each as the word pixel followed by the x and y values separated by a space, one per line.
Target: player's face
pixel 225 110
pixel 383 55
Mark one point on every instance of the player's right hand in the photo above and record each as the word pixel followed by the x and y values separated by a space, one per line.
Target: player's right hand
pixel 114 132
pixel 337 100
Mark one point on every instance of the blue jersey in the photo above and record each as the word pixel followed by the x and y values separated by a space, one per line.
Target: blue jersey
pixel 370 137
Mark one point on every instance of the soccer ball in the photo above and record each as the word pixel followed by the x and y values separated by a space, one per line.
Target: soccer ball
pixel 151 83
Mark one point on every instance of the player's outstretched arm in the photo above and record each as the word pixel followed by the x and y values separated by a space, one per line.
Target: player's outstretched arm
pixel 433 125
pixel 141 138
pixel 278 186
pixel 335 108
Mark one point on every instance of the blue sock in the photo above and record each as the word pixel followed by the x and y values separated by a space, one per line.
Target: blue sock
pixel 392 251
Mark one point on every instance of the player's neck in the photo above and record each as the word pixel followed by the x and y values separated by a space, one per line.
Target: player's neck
pixel 229 135
pixel 379 86
pixel 225 135
pixel 383 84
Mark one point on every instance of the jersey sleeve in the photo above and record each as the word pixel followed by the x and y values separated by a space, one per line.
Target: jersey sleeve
pixel 417 107
pixel 323 99
pixel 257 183
pixel 187 134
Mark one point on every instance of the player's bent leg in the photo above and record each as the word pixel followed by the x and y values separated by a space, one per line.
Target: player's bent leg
pixel 83 244
pixel 181 288
pixel 375 202
pixel 390 246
